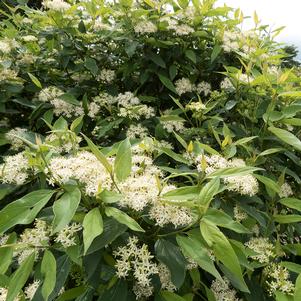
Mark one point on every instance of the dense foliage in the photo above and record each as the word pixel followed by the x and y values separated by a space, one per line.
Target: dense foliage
pixel 150 151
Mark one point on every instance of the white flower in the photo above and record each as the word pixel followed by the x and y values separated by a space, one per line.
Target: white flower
pixel 29 38
pixel 127 99
pixel 58 5
pixel 184 85
pixel 164 213
pixel 165 278
pixel 145 27
pixel 5 47
pixel 222 290
pixel 84 167
pixel 31 289
pixel 141 291
pixel 173 125
pixel 15 142
pixel 278 279
pixel 264 249
pixel 239 215
pixel 203 87
pixel 285 190
pixel 135 260
pixel 227 85
pixel 183 30
pixel 66 236
pixel 15 169
pixel 106 76
pixel 3 294
pixel 136 131
pixel 35 238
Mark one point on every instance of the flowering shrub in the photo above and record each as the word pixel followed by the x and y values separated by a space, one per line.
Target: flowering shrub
pixel 150 151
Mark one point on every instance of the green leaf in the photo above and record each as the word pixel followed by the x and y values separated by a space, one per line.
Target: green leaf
pixel 65 207
pixel 269 183
pixel 294 94
pixel 293 267
pixel 35 80
pixel 157 59
pixel 77 124
pixel 98 154
pixel 170 255
pixel 72 293
pixel 222 219
pixel 283 296
pixel 70 98
pixel 93 226
pixel 190 54
pixel 167 83
pixel 6 253
pixel 24 210
pixel 170 296
pixel 91 65
pixel 221 246
pixel 123 218
pixel 291 203
pixel 48 270
pixel 118 292
pixel 182 193
pixel 244 140
pixel 123 161
pixel 286 137
pixel 112 230
pixel 233 171
pixel 195 249
pixel 19 277
pixel 215 52
pixel 297 293
pixel 207 193
pixel 173 155
pixel 287 219
pixel 110 197
pixel 173 72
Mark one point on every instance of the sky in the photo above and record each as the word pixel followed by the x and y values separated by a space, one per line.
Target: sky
pixel 275 13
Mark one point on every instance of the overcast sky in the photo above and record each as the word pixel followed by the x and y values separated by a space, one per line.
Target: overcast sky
pixel 275 13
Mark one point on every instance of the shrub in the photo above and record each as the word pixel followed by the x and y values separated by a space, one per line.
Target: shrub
pixel 150 150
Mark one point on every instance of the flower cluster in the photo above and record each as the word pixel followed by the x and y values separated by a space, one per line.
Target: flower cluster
pixel 137 261
pixel 83 167
pixel 66 237
pixel 15 169
pixel 222 290
pixel 278 279
pixel 245 184
pixel 264 250
pixel 12 136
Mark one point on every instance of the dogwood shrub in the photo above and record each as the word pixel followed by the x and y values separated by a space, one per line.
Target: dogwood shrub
pixel 150 151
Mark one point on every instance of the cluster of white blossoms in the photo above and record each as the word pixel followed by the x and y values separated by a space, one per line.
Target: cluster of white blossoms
pixel 244 78
pixel 173 125
pixel 137 131
pixel 264 249
pixel 31 289
pixel 245 185
pixel 84 167
pixel 196 106
pixel 203 87
pixel 144 27
pixel 222 290
pixel 239 214
pixel 29 38
pixel 106 75
pixel 7 45
pixel 8 75
pixel 227 85
pixel 184 85
pixel 136 261
pixel 62 142
pixel 34 239
pixel 66 237
pixel 12 137
pixel 285 190
pixel 61 107
pixel 3 294
pixel 164 213
pixel 130 106
pixel 231 41
pixel 183 30
pixel 165 278
pixel 278 279
pixel 58 5
pixel 140 190
pixel 15 169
